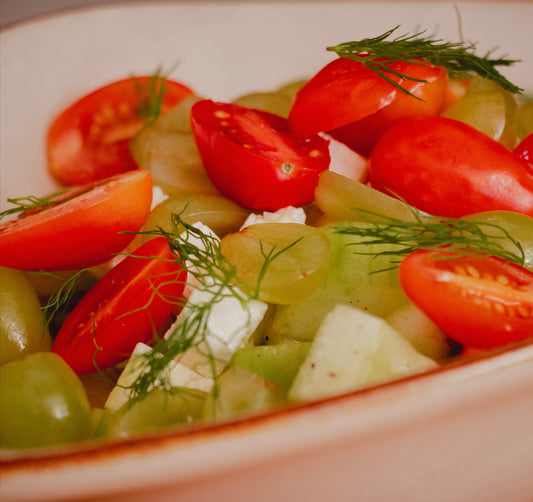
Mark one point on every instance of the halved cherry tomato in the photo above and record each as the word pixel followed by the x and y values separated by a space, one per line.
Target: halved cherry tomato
pixel 481 303
pixel 90 139
pixel 252 157
pixel 356 106
pixel 447 168
pixel 84 229
pixel 127 306
pixel 524 151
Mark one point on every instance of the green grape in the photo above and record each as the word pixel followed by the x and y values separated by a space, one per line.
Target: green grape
pixel 175 164
pixel 159 409
pixel 297 270
pixel 239 392
pixel 490 109
pixel 42 403
pixel 519 226
pixel 219 213
pixel 291 88
pixel 176 120
pixel 359 280
pixel 343 199
pixel 273 102
pixel 21 322
pixel 525 119
pixel 276 363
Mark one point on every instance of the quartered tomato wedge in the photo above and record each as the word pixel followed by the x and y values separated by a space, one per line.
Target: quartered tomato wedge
pixel 480 302
pixel 83 229
pixel 90 140
pixel 254 159
pixel 355 106
pixel 524 151
pixel 127 306
pixel 447 168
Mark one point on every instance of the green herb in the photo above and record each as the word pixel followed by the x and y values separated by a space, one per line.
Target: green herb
pixel 467 238
pixel 213 275
pixel 29 204
pixel 378 53
pixel 150 96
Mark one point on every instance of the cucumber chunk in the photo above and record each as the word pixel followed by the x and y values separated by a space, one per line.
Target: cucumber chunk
pixel 353 350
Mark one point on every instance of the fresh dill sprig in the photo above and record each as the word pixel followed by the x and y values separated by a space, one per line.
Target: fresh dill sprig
pixel 30 203
pixel 466 238
pixel 151 96
pixel 199 253
pixel 216 279
pixel 62 295
pixel 378 53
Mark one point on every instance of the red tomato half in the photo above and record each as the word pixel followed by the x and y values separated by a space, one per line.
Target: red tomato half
pixel 127 306
pixel 252 157
pixel 447 168
pixel 355 105
pixel 524 151
pixel 90 139
pixel 83 230
pixel 481 303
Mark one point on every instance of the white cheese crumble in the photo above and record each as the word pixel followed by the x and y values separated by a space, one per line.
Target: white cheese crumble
pixel 287 214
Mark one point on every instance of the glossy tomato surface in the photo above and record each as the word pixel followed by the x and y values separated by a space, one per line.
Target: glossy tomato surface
pixel 85 228
pixel 524 151
pixel 447 168
pixel 90 140
pixel 254 159
pixel 353 104
pixel 127 306
pixel 479 302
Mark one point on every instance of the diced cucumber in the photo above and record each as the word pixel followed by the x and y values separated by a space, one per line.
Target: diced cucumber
pixel 352 350
pixel 276 363
pixel 239 391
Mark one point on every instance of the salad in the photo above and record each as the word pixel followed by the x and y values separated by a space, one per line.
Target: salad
pixel 208 260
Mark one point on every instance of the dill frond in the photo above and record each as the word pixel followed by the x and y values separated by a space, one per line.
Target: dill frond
pixel 466 238
pixel 378 53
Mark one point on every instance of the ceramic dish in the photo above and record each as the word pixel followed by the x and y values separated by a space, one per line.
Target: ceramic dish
pixel 461 434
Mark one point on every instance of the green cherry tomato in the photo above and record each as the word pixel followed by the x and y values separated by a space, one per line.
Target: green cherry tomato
pixel 21 322
pixel 42 403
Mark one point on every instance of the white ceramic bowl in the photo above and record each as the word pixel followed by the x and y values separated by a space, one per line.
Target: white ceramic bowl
pixel 459 434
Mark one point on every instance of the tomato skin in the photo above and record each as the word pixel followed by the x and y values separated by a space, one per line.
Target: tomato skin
pixel 363 134
pixel 448 168
pixel 127 306
pixel 82 231
pixel 355 105
pixel 481 303
pixel 524 151
pixel 90 139
pixel 252 157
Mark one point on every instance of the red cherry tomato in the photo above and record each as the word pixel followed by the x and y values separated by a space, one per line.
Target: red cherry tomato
pixel 84 229
pixel 481 303
pixel 127 306
pixel 355 105
pixel 252 157
pixel 524 151
pixel 447 168
pixel 90 139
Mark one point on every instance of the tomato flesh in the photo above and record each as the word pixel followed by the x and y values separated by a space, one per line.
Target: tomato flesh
pixel 447 168
pixel 355 106
pixel 90 139
pixel 252 157
pixel 86 228
pixel 127 306
pixel 481 303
